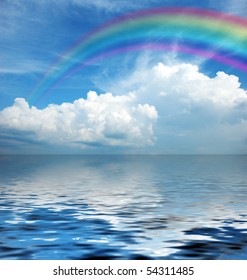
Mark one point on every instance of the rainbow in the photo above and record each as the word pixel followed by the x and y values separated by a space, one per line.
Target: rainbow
pixel 210 34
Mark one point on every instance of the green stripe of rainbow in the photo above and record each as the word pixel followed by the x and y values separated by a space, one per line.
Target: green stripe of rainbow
pixel 211 34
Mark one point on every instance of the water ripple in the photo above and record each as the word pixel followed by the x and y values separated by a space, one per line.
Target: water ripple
pixel 123 207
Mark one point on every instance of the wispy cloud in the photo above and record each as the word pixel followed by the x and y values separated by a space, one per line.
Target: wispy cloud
pixel 237 7
pixel 23 67
pixel 115 6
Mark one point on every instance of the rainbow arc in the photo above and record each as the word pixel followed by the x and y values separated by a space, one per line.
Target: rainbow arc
pixel 210 34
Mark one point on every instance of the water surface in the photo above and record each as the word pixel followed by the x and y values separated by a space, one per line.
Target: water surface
pixel 123 207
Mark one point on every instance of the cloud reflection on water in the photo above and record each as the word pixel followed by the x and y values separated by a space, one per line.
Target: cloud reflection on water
pixel 119 206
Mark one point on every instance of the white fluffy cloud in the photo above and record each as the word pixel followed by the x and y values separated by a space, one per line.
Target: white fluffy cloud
pixel 197 113
pixel 98 120
pixel 178 108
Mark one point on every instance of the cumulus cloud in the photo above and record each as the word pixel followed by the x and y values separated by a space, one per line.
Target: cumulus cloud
pixel 184 87
pixel 177 108
pixel 97 120
pixel 197 113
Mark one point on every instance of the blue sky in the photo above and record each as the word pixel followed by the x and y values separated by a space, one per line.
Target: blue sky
pixel 139 102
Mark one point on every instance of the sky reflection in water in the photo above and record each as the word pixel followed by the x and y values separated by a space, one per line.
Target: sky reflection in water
pixel 123 207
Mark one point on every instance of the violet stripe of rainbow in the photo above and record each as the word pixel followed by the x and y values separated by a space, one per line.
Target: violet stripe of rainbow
pixel 224 33
pixel 193 49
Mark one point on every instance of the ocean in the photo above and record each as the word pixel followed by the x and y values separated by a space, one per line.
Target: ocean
pixel 126 207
